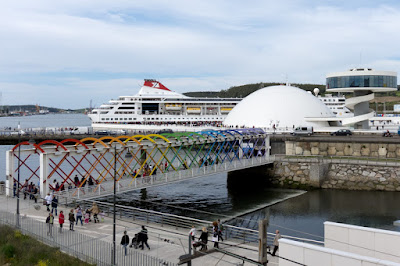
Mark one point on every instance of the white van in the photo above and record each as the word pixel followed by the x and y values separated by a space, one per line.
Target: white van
pixel 303 131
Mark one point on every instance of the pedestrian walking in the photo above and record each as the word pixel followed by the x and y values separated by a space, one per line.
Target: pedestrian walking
pixel 48 199
pixel 203 239
pixel 54 205
pixel 125 241
pixel 87 217
pixel 276 242
pixel 220 229
pixel 143 237
pixel 61 220
pixel 214 237
pixel 25 187
pixel 78 215
pixel 192 232
pixel 15 189
pixel 71 218
pixel 35 192
pixel 50 222
pixel 95 210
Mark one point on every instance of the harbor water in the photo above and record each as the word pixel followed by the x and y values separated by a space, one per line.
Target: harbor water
pixel 292 212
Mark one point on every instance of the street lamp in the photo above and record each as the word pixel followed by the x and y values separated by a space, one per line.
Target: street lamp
pixel 114 203
pixel 19 164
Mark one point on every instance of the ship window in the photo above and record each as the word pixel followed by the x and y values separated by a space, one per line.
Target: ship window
pixel 102 119
pixel 107 119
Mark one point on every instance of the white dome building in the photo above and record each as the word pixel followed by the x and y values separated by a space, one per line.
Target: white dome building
pixel 284 106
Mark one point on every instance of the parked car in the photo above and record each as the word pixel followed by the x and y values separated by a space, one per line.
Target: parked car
pixel 165 131
pixel 303 131
pixel 342 132
pixel 102 133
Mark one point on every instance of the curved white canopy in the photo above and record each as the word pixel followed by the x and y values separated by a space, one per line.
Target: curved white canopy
pixel 284 106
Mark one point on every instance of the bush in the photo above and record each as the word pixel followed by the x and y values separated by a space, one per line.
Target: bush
pixel 8 250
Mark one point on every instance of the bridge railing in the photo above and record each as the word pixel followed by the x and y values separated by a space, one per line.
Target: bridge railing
pixel 129 184
pixel 144 216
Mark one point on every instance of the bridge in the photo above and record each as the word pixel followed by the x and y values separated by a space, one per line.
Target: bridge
pixel 94 167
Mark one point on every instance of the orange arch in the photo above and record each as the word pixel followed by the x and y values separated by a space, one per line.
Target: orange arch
pixel 112 139
pixel 95 141
pixel 76 141
pixel 54 142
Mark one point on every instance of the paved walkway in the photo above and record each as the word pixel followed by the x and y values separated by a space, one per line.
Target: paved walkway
pixel 166 242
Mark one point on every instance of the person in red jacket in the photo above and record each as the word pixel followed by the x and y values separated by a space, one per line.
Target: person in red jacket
pixel 61 220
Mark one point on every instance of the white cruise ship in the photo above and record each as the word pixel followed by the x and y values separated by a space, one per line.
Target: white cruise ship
pixel 156 107
pixel 336 104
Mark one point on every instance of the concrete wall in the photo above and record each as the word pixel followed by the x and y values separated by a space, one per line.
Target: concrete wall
pixel 312 255
pixel 335 175
pixel 377 243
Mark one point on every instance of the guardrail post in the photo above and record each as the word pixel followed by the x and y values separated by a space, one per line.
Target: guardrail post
pixel 79 189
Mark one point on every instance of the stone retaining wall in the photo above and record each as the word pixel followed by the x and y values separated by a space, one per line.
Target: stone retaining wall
pixel 382 150
pixel 336 176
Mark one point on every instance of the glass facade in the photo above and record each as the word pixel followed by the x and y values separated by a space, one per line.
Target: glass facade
pixel 361 81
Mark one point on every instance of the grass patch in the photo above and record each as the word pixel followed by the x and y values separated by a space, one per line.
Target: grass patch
pixel 19 249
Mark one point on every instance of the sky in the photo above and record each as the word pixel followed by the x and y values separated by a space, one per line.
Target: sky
pixel 67 53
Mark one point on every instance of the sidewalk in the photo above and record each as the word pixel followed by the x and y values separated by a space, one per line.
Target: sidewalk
pixel 166 243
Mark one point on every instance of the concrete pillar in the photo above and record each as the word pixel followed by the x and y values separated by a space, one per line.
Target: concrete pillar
pixel 240 148
pixel 9 173
pixel 318 173
pixel 267 147
pixel 44 168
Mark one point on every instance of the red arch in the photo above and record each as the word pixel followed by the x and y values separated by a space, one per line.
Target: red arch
pixel 54 142
pixel 27 143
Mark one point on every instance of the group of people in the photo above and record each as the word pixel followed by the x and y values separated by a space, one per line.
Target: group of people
pixel 217 229
pixel 74 216
pixel 138 241
pixel 29 189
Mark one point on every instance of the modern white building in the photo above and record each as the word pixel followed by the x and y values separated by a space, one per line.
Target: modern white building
pixel 363 83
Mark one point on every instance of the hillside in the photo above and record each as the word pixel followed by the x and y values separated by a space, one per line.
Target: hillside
pixel 244 90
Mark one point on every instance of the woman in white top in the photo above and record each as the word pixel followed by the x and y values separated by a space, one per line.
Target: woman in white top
pixel 192 232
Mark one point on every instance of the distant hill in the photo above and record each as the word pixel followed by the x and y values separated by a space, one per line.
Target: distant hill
pixel 32 109
pixel 244 90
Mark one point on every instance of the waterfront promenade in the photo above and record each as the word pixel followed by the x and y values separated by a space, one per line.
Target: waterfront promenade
pixel 167 242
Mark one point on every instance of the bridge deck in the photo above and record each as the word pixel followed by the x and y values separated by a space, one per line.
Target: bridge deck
pixel 128 184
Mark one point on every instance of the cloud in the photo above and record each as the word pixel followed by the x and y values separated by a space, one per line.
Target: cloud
pixel 102 49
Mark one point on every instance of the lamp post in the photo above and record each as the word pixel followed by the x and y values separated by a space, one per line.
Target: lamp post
pixel 114 208
pixel 19 164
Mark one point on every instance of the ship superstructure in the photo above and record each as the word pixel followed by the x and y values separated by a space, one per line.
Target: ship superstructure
pixel 158 105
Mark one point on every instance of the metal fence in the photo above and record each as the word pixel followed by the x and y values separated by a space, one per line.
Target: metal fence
pixel 84 247
pixel 129 184
pixel 230 232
